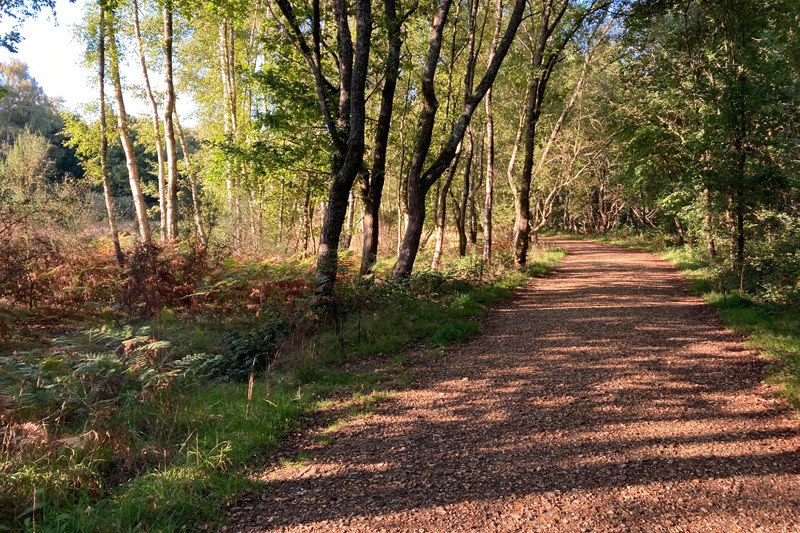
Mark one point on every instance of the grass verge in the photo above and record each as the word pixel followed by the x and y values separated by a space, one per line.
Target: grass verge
pixel 772 329
pixel 175 460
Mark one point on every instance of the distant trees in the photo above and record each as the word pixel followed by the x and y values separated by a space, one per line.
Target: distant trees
pixel 23 105
pixel 720 96
pixel 693 131
pixel 318 124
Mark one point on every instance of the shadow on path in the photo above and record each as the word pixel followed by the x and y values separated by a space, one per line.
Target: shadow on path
pixel 602 398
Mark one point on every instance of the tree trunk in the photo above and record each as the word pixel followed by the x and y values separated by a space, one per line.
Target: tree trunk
pixel 441 215
pixel 488 202
pixel 351 217
pixel 227 63
pixel 420 182
pixel 139 205
pixel 730 219
pixel 461 226
pixel 413 234
pixel 402 178
pixel 512 162
pixel 308 217
pixel 162 206
pixel 281 215
pixel 473 192
pixel 740 227
pixel 374 185
pixel 344 123
pixel 109 200
pixel 708 222
pixel 522 209
pixel 740 167
pixel 681 232
pixel 469 78
pixel 169 129
pixel 533 106
pixel 196 209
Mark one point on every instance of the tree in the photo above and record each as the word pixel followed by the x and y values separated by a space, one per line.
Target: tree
pixel 171 188
pixel 490 149
pixel 372 183
pixel 27 161
pixel 552 33
pixel 162 185
pixel 421 179
pixel 104 172
pixel 125 136
pixel 345 123
pixel 196 210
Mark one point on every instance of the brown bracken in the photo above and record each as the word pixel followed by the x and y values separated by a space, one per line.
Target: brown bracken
pixel 605 397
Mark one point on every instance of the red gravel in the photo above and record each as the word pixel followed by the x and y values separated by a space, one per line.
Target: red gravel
pixel 603 398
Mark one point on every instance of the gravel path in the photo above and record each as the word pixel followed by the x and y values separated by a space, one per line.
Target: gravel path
pixel 603 398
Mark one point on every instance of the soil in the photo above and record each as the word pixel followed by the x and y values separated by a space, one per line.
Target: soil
pixel 605 397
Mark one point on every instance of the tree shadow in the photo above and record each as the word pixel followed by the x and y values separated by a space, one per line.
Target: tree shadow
pixel 604 382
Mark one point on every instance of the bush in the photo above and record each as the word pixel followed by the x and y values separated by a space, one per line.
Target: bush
pixel 156 277
pixel 774 259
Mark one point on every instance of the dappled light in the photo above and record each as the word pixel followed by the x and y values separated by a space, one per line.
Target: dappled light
pixel 273 265
pixel 605 397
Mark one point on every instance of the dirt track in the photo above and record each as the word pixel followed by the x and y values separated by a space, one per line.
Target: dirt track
pixel 602 398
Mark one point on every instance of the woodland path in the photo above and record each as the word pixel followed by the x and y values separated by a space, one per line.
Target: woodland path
pixel 605 397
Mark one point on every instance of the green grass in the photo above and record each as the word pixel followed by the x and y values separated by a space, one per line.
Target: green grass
pixel 202 471
pixel 190 449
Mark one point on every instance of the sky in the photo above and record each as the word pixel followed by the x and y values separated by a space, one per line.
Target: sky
pixel 54 57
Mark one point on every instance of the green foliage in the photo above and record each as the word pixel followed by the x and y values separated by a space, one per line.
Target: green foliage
pixel 453 332
pixel 27 163
pixel 250 348
pixel 773 269
pixel 24 106
pixel 64 406
pixel 129 428
pixel 704 117
pixel 19 10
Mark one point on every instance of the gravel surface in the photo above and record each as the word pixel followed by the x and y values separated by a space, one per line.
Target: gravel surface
pixel 605 397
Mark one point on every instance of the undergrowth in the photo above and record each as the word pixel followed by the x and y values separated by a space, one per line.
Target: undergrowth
pixel 151 425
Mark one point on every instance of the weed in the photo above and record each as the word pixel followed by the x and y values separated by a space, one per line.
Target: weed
pixel 453 332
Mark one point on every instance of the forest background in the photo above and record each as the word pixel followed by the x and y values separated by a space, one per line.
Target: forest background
pixel 314 181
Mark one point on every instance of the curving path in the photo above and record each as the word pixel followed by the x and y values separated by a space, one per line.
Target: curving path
pixel 602 398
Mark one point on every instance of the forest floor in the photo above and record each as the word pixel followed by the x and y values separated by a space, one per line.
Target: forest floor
pixel 605 397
